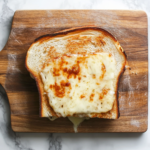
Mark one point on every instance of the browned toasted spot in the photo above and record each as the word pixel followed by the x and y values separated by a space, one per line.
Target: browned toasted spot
pixel 85 39
pixel 99 41
pixel 73 46
pixel 110 55
pixel 68 92
pixel 75 37
pixel 93 76
pixel 82 96
pixel 97 83
pixel 74 71
pixel 58 67
pixel 101 96
pixel 63 83
pixel 82 53
pixel 44 51
pixel 66 55
pixel 52 52
pixel 59 90
pixel 103 93
pixel 44 65
pixel 56 72
pixel 79 78
pixel 103 71
pixel 98 50
pixel 91 97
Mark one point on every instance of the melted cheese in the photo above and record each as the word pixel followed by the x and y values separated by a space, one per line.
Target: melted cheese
pixel 31 76
pixel 80 84
pixel 52 118
pixel 76 122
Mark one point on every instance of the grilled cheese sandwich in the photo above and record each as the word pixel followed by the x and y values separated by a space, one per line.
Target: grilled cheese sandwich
pixel 77 73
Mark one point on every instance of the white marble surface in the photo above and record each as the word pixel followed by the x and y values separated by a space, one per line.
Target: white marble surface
pixel 45 141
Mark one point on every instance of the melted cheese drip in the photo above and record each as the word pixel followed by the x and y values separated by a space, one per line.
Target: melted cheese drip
pixel 78 84
pixel 76 122
pixel 31 76
pixel 52 118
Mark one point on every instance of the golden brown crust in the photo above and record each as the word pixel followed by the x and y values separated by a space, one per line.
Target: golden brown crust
pixel 46 37
pixel 44 99
pixel 121 72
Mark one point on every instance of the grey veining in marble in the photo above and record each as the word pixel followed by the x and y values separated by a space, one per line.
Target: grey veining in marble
pixel 6 15
pixel 9 136
pixel 10 140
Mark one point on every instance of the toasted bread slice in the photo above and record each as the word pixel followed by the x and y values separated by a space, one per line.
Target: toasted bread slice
pixel 80 41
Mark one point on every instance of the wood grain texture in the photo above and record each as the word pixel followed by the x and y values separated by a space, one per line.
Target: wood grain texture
pixel 130 29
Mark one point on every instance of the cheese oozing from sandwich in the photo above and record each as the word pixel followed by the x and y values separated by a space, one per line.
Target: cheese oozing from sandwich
pixel 80 84
pixel 76 122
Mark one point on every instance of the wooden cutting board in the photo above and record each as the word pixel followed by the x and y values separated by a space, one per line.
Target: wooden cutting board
pixel 130 29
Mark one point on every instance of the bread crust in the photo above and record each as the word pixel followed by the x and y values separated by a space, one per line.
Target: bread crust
pixel 44 99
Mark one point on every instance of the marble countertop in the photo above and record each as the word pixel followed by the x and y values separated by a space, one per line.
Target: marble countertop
pixel 10 140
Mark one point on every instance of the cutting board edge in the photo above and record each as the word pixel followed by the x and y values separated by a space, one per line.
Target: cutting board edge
pixel 55 10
